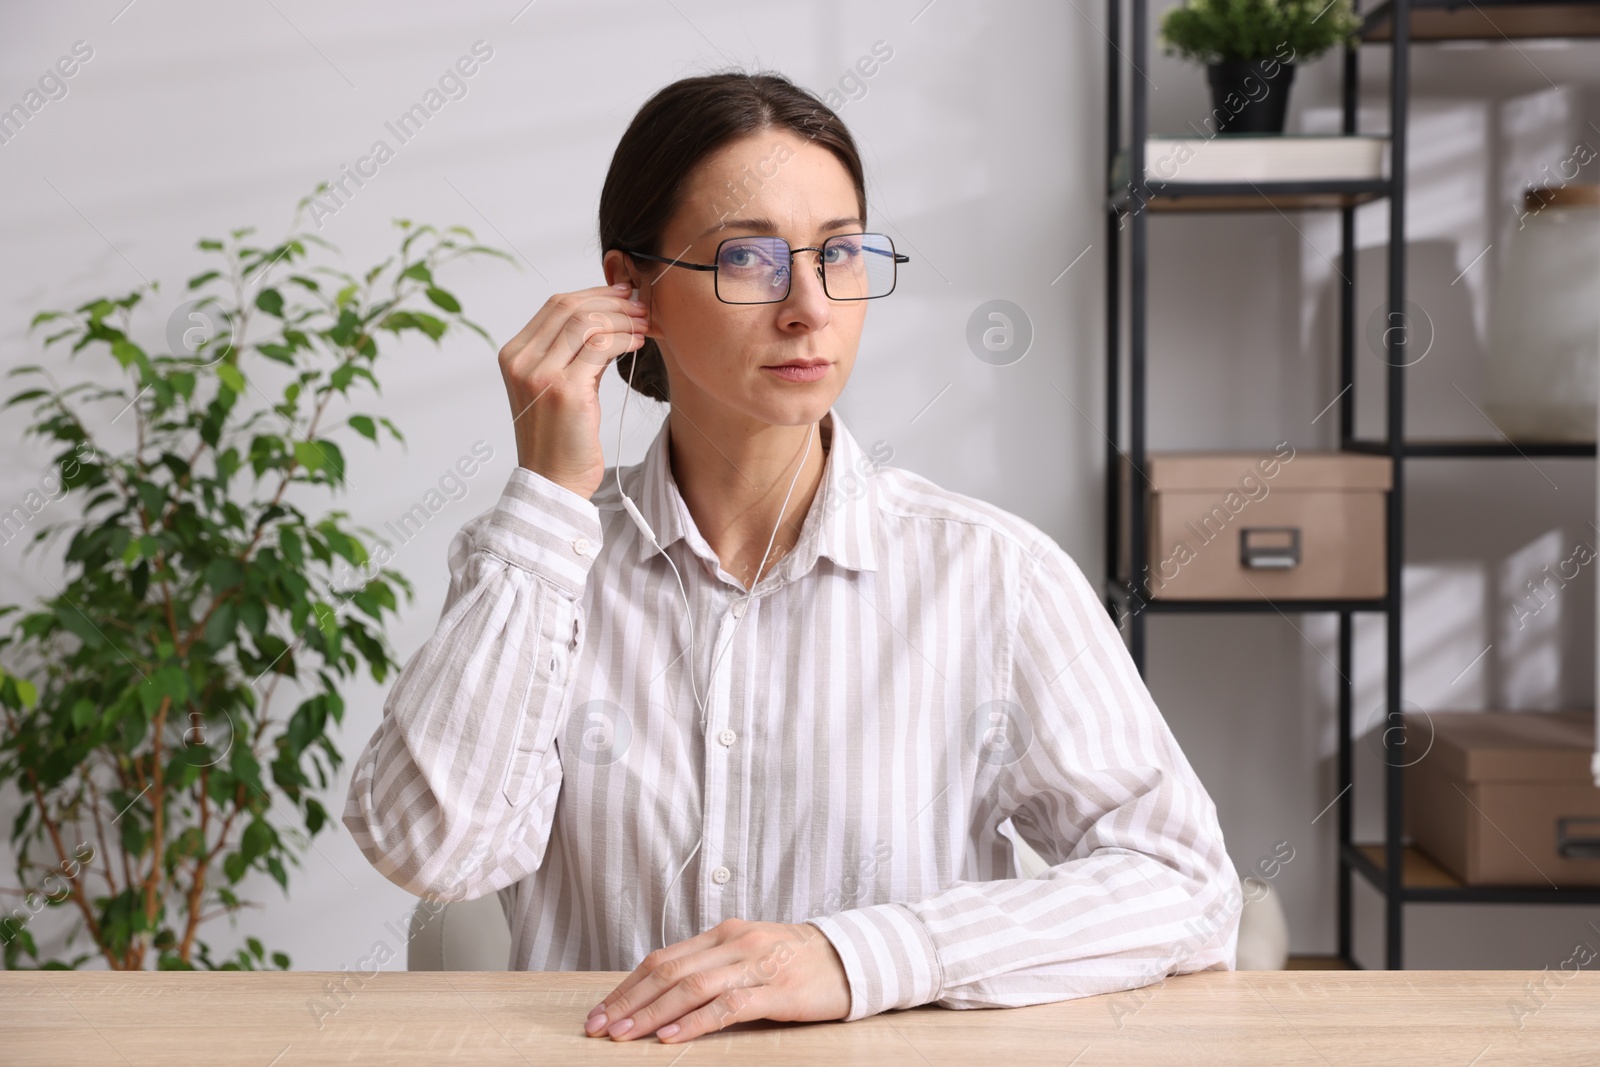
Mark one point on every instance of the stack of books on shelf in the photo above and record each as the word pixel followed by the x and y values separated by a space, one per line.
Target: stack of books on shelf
pixel 1253 158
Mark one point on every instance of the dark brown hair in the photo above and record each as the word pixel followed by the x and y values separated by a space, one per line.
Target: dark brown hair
pixel 672 133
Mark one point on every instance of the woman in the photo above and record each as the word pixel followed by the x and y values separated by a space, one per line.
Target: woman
pixel 745 718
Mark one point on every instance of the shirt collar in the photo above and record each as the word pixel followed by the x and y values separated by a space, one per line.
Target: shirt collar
pixel 838 525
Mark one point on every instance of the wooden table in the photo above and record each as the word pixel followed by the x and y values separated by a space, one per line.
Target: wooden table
pixel 266 1019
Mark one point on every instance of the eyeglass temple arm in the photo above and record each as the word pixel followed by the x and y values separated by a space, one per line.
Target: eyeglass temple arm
pixel 674 262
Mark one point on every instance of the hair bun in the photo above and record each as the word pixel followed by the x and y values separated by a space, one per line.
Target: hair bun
pixel 650 376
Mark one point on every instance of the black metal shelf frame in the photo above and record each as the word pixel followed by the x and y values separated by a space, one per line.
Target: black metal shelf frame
pixel 1127 596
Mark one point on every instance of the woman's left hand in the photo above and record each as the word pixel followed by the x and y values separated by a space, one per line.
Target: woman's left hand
pixel 735 971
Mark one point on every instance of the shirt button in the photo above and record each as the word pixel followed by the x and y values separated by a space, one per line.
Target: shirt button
pixel 738 608
pixel 581 546
pixel 721 875
pixel 727 737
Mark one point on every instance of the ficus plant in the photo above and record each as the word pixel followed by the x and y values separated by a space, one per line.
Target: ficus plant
pixel 137 714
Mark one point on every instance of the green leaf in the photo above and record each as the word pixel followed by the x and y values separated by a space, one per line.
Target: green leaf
pixel 74 621
pixel 244 766
pixel 293 551
pixel 126 353
pixel 200 279
pixel 279 875
pixel 270 301
pixel 230 376
pixel 254 614
pixel 221 626
pixel 341 332
pixel 419 272
pixel 223 573
pixel 282 353
pixel 27 692
pixel 24 396
pixel 309 456
pixel 327 618
pixel 171 681
pixel 444 299
pixel 364 426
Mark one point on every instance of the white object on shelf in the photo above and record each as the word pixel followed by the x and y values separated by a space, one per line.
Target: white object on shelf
pixel 1544 335
pixel 1264 158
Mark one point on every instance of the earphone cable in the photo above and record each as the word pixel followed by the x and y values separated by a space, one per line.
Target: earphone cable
pixel 644 528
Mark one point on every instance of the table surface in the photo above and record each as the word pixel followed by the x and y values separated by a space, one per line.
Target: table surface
pixel 269 1019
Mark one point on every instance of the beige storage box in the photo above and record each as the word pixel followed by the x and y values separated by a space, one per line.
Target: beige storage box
pixel 1505 797
pixel 1281 524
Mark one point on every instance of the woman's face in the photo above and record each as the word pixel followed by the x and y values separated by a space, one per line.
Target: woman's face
pixel 772 183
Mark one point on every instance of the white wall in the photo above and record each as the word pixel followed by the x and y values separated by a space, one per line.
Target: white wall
pixel 982 137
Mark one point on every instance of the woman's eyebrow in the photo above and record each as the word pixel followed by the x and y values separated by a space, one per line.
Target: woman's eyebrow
pixel 769 226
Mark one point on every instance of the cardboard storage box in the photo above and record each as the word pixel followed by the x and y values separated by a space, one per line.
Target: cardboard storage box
pixel 1283 524
pixel 1505 798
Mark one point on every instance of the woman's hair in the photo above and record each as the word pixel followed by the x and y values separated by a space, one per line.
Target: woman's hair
pixel 673 132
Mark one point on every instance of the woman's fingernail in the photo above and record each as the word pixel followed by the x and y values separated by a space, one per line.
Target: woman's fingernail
pixel 596 1023
pixel 621 1028
pixel 597 1009
pixel 667 1030
pixel 624 286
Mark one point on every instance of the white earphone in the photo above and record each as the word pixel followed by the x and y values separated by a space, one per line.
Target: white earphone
pixel 644 528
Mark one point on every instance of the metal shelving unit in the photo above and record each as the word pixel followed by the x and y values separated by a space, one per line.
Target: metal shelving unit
pixel 1401 874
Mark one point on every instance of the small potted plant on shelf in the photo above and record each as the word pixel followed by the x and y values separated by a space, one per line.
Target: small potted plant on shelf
pixel 1250 48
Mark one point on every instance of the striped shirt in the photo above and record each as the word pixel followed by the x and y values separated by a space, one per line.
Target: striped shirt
pixel 919 670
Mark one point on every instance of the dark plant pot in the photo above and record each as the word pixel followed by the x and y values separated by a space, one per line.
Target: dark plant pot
pixel 1249 95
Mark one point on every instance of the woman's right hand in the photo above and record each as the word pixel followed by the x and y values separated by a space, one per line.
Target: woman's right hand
pixel 552 372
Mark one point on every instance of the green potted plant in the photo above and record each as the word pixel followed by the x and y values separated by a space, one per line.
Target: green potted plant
pixel 1250 48
pixel 137 721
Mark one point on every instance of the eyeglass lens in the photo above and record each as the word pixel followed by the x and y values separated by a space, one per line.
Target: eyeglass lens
pixel 756 270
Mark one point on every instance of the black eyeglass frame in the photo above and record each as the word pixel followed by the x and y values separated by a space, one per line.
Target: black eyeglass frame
pixel 899 257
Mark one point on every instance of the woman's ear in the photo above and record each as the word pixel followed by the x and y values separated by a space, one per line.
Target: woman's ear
pixel 618 267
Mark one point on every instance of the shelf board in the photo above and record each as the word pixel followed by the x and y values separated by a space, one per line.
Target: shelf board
pixel 1317 963
pixel 1119 590
pixel 1467 20
pixel 1424 880
pixel 1256 196
pixel 1442 448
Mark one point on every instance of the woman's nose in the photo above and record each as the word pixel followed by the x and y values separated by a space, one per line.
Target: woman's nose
pixel 805 285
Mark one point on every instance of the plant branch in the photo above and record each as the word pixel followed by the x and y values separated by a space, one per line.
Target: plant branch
pixel 61 853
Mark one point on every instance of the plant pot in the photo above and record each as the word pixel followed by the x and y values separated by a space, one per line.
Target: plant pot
pixel 1249 95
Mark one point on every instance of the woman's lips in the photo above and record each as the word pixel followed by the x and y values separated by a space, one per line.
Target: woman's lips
pixel 796 373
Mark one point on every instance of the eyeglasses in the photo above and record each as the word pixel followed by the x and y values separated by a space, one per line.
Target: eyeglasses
pixel 757 270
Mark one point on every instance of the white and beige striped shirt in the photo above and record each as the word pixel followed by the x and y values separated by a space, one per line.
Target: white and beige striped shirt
pixel 921 668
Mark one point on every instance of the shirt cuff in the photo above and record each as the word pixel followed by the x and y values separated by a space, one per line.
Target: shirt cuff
pixel 889 958
pixel 544 528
